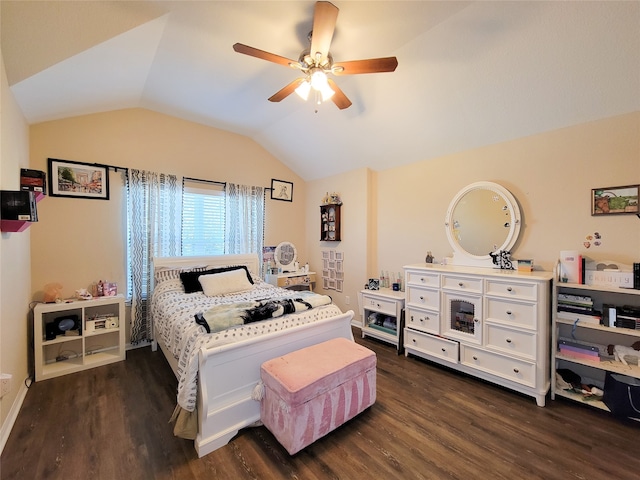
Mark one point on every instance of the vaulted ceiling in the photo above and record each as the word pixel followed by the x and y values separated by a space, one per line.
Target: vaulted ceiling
pixel 469 74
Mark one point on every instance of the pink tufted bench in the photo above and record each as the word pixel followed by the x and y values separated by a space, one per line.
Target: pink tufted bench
pixel 310 392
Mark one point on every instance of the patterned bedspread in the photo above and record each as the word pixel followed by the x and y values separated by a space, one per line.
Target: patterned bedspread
pixel 173 314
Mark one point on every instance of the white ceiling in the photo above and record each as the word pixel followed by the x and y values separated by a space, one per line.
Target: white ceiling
pixel 469 74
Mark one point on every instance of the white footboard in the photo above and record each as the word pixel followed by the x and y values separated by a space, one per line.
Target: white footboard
pixel 228 375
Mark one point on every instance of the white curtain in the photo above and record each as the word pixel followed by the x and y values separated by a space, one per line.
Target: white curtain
pixel 154 215
pixel 245 219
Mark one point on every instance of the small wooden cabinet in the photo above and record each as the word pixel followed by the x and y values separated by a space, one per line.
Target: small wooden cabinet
pixel 382 315
pixel 330 222
pixel 78 335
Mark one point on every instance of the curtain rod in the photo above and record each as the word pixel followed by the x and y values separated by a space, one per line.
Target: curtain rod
pixel 204 181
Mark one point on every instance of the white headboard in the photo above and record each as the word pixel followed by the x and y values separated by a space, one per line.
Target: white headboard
pixel 248 259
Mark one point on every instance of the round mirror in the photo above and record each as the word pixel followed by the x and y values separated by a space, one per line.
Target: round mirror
pixel 285 256
pixel 483 218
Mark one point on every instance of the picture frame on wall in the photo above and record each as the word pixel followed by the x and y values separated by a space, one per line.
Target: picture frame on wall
pixel 78 180
pixel 615 200
pixel 281 190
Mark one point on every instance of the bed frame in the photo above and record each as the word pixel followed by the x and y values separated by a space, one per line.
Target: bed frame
pixel 228 374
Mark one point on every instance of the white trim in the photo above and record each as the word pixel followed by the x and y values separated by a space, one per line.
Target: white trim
pixel 8 423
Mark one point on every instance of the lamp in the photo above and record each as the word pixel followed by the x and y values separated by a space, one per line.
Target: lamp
pixel 316 79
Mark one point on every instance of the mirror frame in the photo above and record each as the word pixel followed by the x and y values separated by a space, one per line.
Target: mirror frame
pixel 289 267
pixel 460 255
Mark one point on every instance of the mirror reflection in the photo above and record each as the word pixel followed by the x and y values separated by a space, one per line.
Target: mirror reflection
pixel 286 255
pixel 481 222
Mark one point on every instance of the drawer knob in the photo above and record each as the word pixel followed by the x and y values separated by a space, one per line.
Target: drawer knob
pixel 413 340
pixel 515 370
pixel 444 349
pixel 476 320
pixel 508 340
pixel 509 289
pixel 422 279
pixel 460 284
pixel 475 357
pixel 508 312
pixel 421 298
pixel 422 319
pixel 378 305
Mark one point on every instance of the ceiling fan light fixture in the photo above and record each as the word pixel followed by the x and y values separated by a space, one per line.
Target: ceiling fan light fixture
pixel 318 79
pixel 303 90
pixel 326 92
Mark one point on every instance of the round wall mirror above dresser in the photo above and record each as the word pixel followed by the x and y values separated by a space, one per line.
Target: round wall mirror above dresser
pixel 483 218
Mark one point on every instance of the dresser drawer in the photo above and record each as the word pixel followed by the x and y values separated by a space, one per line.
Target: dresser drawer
pixel 508 289
pixel 435 346
pixel 511 341
pixel 518 313
pixel 423 297
pixel 503 366
pixel 424 279
pixel 375 304
pixel 423 320
pixel 462 284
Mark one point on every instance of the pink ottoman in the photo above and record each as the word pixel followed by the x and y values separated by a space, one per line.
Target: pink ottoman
pixel 312 391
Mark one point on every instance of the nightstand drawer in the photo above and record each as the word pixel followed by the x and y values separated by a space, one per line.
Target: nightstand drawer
pixel 518 313
pixel 442 348
pixel 376 304
pixel 503 366
pixel 423 320
pixel 462 284
pixel 423 297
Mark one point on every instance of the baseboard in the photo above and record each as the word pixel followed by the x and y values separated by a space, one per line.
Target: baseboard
pixel 7 425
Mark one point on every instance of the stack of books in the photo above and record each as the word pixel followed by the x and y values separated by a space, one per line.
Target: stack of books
pixel 579 350
pixel 577 307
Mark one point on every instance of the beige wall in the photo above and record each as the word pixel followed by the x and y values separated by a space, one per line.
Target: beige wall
pixel 79 241
pixel 15 277
pixel 551 176
pixel 393 217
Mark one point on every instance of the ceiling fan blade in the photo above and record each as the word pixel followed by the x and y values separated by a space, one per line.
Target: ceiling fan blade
pixel 324 24
pixel 373 65
pixel 339 98
pixel 286 91
pixel 270 57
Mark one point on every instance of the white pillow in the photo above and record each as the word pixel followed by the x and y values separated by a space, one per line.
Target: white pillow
pixel 233 281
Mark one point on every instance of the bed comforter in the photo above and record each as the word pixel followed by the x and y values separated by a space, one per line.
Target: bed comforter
pixel 174 317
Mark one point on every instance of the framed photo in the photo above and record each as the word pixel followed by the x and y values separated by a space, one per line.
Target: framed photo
pixel 614 200
pixel 78 180
pixel 281 190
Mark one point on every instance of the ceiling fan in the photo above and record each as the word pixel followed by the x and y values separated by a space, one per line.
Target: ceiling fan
pixel 317 62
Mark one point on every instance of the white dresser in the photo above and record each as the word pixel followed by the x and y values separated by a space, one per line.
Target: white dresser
pixel 489 323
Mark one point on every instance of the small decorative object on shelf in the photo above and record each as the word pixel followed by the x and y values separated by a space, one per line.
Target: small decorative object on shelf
pixel 502 260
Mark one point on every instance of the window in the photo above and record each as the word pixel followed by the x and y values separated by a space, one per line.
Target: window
pixel 203 218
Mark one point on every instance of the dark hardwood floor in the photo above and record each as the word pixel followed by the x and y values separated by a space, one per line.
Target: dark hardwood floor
pixel 428 423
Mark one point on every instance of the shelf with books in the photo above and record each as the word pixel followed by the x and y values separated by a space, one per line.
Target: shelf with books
pixel 586 327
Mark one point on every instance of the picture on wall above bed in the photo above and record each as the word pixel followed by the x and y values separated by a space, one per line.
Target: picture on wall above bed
pixel 613 200
pixel 78 180
pixel 281 190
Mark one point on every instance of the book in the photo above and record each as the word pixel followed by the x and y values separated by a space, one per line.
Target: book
pixel 578 345
pixel 595 319
pixel 570 266
pixel 579 300
pixel 580 356
pixel 582 351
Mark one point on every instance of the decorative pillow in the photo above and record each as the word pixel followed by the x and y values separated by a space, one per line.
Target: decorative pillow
pixel 233 281
pixel 164 274
pixel 190 279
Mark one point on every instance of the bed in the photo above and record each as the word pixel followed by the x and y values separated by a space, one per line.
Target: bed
pixel 218 372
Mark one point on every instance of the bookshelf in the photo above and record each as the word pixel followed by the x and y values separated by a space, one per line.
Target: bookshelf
pixel 592 372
